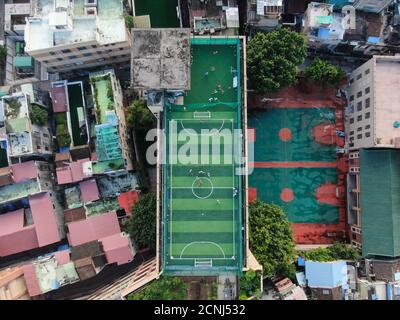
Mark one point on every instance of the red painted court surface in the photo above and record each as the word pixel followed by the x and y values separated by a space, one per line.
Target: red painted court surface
pixel 296 164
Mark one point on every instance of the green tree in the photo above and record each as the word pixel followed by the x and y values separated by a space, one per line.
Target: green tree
pixel 250 284
pixel 325 72
pixel 39 115
pixel 139 116
pixel 165 288
pixel 338 251
pixel 271 239
pixel 129 22
pixel 142 225
pixel 272 59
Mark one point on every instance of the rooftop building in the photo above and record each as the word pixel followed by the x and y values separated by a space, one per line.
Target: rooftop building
pixel 18 234
pixel 372 116
pixel 13 285
pixel 112 134
pixel 160 59
pixel 25 133
pixel 84 33
pixel 264 14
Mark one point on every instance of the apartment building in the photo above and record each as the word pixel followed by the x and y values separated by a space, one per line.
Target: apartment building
pixel 373 115
pixel 23 133
pixel 113 149
pixel 70 35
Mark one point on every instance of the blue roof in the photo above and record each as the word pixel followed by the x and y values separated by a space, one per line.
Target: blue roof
pixel 374 39
pixel 323 33
pixel 326 274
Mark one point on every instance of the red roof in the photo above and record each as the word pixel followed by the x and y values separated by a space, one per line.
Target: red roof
pixel 62 257
pixel 127 200
pixel 93 228
pixel 31 280
pixel 44 218
pixel 117 249
pixel 14 237
pixel 24 171
pixel 59 99
pixel 71 173
pixel 89 190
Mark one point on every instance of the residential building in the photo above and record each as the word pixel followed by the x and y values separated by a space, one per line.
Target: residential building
pixel 327 280
pixel 13 285
pixel 264 14
pixel 27 229
pixel 27 179
pixel 112 143
pixel 214 17
pixel 372 116
pixel 375 6
pixel 25 135
pixel 379 182
pixel 69 35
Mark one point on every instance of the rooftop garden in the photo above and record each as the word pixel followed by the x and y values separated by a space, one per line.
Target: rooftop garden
pixel 62 134
pixel 103 96
pixel 39 115
pixel 15 107
pixel 101 206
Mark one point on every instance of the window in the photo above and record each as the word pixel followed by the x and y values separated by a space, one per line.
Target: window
pixel 79 63
pixel 324 291
pixel 352 98
pixel 60 59
pixel 46 148
pixel 359 129
pixel 81 48
pixel 367 102
pixel 45 135
pixel 100 60
pixel 94 46
pixel 87 54
pixel 359 76
pixel 99 52
pixel 359 118
pixel 367 71
pixel 367 126
pixel 121 49
pixel 52 53
pixel 351 133
pixel 354 236
pixel 367 90
pixel 351 120
pixel 359 136
pixel 367 115
pixel 66 51
pixel 351 81
pixel 359 106
pixel 72 57
pixel 359 94
pixel 367 134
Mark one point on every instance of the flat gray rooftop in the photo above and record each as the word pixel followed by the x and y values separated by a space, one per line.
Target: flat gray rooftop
pixel 160 59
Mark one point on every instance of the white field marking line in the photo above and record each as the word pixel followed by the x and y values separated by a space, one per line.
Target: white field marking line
pixel 233 186
pixel 202 134
pixel 170 198
pixel 212 188
pixel 202 242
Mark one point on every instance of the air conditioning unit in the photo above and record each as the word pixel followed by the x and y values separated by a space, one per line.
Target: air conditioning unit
pixel 355 169
pixel 354 155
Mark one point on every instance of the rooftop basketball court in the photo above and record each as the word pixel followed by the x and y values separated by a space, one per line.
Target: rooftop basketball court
pixel 202 198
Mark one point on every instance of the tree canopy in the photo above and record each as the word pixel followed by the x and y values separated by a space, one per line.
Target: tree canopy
pixel 250 284
pixel 142 225
pixel 271 239
pixel 39 115
pixel 272 59
pixel 325 72
pixel 338 251
pixel 165 288
pixel 139 116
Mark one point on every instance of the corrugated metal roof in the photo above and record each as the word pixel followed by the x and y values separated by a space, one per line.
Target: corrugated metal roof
pixel 380 202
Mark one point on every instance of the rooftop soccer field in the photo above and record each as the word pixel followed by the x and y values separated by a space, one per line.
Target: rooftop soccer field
pixel 202 192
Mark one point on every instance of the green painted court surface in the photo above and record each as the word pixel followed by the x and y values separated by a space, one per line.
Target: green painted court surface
pixel 302 146
pixel 202 193
pixel 162 12
pixel 303 182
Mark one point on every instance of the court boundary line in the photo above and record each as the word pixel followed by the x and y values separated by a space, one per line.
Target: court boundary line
pixel 232 187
